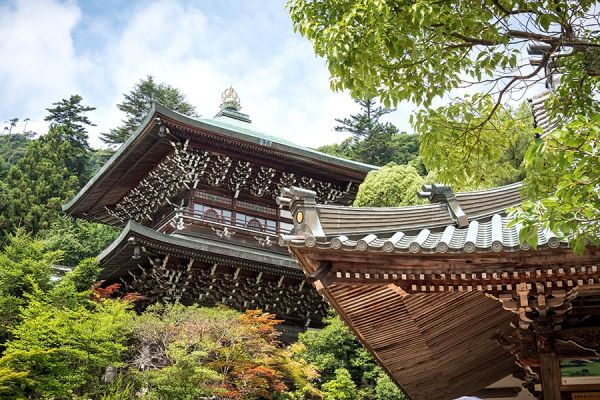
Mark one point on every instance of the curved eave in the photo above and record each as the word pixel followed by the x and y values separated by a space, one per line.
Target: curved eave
pixel 341 220
pixel 495 235
pixel 115 258
pixel 116 158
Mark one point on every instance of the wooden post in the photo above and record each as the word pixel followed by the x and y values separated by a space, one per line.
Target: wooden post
pixel 550 374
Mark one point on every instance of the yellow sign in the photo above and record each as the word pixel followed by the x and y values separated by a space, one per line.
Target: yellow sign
pixel 299 217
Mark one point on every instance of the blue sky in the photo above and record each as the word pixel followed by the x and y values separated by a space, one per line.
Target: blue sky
pixel 51 49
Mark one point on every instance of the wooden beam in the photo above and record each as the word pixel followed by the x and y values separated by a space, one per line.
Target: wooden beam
pixel 320 274
pixel 497 393
pixel 550 374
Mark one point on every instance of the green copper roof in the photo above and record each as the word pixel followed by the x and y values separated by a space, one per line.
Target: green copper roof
pixel 244 131
pixel 225 127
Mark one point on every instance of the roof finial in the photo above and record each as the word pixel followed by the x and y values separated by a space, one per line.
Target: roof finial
pixel 230 100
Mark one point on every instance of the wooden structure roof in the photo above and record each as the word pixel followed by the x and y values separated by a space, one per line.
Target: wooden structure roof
pixel 192 269
pixel 429 289
pixel 225 139
pixel 541 114
pixel 118 258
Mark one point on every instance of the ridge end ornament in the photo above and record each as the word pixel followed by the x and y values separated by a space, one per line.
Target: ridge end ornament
pixel 230 100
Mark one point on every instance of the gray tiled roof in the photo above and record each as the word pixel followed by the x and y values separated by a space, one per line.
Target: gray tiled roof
pixel 340 220
pixel 541 115
pixel 492 235
pixel 418 229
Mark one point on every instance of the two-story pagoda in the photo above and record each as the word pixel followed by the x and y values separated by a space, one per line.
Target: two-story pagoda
pixel 196 199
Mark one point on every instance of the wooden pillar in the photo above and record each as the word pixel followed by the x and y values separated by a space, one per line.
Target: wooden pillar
pixel 550 374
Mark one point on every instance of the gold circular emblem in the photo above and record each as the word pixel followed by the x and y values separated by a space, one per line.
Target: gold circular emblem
pixel 299 217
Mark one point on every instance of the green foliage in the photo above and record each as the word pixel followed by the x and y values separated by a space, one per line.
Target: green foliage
pixel 71 115
pixel 98 157
pixel 187 352
pixel 390 186
pixel 341 387
pixel 24 264
pixel 65 350
pixel 83 276
pixel 372 141
pixel 332 348
pixel 563 176
pixel 347 370
pixel 40 182
pixel 420 51
pixel 138 102
pixel 47 172
pixel 489 154
pixel 386 389
pixel 12 148
pixel 343 149
pixel 79 239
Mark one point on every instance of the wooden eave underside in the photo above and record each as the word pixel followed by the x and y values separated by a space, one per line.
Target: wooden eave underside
pixel 145 150
pixel 436 344
pixel 117 259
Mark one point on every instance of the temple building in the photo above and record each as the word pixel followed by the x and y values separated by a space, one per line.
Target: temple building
pixel 449 301
pixel 196 198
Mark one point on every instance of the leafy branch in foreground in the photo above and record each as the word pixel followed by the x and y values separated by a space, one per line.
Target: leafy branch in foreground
pixel 563 184
pixel 418 51
pixel 428 50
pixel 472 158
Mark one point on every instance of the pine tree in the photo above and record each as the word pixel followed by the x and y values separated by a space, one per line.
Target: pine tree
pixel 366 123
pixel 69 122
pixel 41 181
pixel 71 114
pixel 373 141
pixel 138 102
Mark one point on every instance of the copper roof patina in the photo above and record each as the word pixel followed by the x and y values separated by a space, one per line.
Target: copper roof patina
pixel 152 142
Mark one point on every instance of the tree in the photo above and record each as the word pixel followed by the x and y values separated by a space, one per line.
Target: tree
pixel 426 50
pixel 484 163
pixel 564 168
pixel 72 115
pixel 372 141
pixel 65 347
pixel 420 51
pixel 189 352
pixel 347 370
pixel 366 123
pixel 138 102
pixel 341 387
pixel 69 121
pixel 386 389
pixel 78 239
pixel 98 157
pixel 12 148
pixel 390 186
pixel 25 263
pixel 40 182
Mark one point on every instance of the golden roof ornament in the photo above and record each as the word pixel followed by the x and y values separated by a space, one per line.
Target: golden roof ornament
pixel 230 100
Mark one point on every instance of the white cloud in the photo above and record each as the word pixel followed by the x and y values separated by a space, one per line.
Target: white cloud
pixel 38 64
pixel 191 46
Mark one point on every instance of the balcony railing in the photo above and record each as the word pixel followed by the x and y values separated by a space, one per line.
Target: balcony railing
pixel 255 226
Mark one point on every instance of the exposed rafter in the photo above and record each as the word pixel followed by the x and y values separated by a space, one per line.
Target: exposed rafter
pixel 187 168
